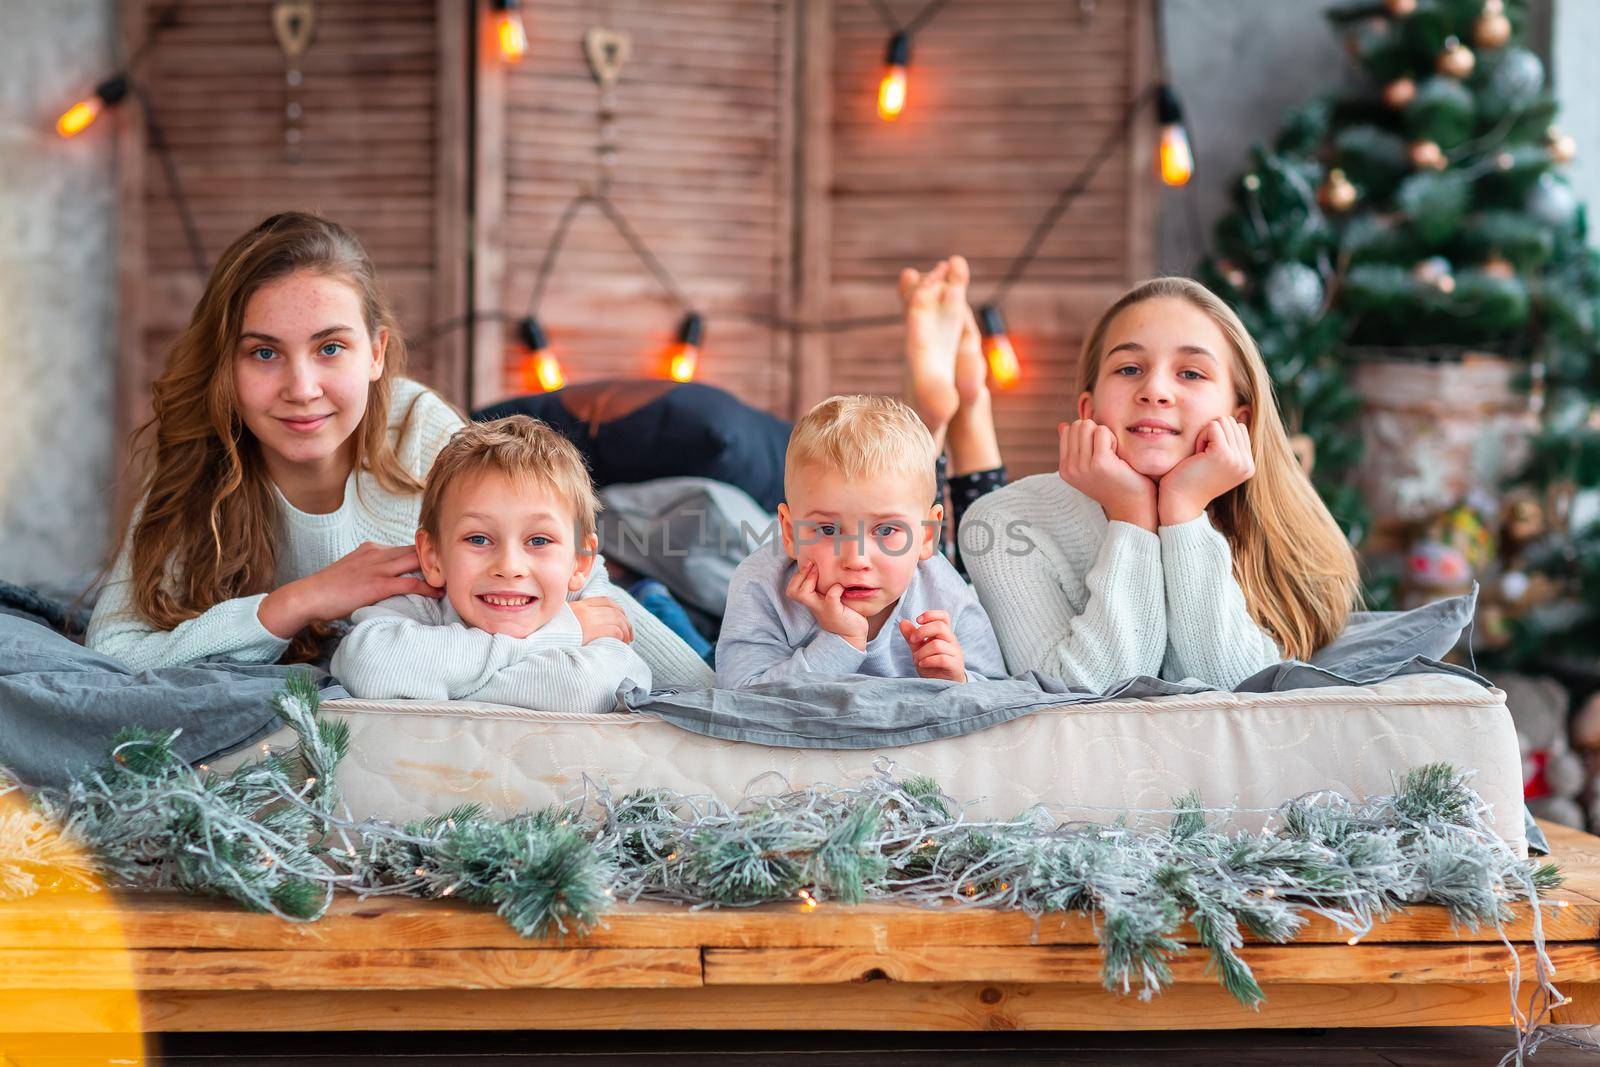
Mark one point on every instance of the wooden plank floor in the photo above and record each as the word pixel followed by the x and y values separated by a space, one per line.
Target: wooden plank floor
pixel 95 962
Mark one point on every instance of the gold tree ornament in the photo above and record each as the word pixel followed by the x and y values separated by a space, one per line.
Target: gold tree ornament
pixel 1457 59
pixel 1427 155
pixel 1400 92
pixel 1498 266
pixel 1337 193
pixel 1492 30
pixel 1563 148
pixel 1435 271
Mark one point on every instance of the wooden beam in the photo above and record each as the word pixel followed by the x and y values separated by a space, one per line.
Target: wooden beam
pixel 868 1006
pixel 144 921
pixel 1316 964
pixel 346 969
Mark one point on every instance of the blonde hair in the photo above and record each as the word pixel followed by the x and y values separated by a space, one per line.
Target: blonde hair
pixel 1293 563
pixel 862 436
pixel 208 528
pixel 523 449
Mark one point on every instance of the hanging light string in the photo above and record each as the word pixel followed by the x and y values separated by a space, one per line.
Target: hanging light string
pixel 1068 195
pixel 919 20
pixel 1014 272
pixel 694 323
pixel 169 166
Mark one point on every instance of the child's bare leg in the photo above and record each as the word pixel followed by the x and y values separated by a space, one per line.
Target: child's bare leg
pixel 936 306
pixel 971 437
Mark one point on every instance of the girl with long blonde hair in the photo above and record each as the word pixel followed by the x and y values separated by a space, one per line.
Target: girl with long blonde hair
pixel 284 462
pixel 1179 537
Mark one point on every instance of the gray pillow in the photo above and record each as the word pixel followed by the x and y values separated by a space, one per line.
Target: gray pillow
pixel 1375 640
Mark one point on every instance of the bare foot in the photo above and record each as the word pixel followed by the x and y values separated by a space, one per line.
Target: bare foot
pixel 936 305
pixel 972 369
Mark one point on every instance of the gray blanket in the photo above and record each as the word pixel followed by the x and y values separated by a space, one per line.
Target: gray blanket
pixel 861 712
pixel 61 703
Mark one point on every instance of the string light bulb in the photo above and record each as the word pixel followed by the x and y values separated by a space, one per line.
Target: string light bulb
pixel 683 356
pixel 1174 159
pixel 1004 367
pixel 81 116
pixel 540 369
pixel 892 86
pixel 509 32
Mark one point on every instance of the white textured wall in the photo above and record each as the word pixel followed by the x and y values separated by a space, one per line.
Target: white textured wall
pixel 1574 35
pixel 1238 66
pixel 57 292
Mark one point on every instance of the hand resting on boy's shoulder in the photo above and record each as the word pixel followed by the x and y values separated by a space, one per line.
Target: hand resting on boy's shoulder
pixel 417 648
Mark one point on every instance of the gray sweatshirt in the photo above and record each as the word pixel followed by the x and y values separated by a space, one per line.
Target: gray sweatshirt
pixel 766 637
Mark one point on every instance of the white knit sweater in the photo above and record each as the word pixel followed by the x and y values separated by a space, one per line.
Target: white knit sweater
pixel 232 630
pixel 418 648
pixel 1093 602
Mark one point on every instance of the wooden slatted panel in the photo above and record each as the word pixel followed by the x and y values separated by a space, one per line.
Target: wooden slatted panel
pixel 381 153
pixel 1007 102
pixel 701 172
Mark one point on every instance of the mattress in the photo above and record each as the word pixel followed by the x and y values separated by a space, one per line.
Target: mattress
pixel 409 759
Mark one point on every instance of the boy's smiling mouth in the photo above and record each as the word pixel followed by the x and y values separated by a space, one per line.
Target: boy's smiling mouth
pixel 507 601
pixel 859 592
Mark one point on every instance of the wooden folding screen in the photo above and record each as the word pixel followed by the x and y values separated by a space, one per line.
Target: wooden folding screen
pixel 748 160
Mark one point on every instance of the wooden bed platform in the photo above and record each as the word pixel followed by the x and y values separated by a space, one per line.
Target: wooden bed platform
pixel 163 963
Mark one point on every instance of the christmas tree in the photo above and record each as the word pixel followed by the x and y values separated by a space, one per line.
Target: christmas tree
pixel 1426 213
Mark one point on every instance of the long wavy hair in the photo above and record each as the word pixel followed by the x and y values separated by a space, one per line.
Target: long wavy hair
pixel 1293 563
pixel 207 520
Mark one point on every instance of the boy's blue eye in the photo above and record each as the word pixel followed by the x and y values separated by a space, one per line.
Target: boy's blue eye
pixel 827 529
pixel 1127 371
pixel 332 348
pixel 888 529
pixel 476 539
pixel 539 541
pixel 1191 375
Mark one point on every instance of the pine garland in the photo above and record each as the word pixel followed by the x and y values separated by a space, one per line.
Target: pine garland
pixel 271 836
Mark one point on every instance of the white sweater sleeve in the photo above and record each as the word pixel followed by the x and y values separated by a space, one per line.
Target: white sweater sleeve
pixel 1210 632
pixel 1090 630
pixel 397 650
pixel 673 664
pixel 230 630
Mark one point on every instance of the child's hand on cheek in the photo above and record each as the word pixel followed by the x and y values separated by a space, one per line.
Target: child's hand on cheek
pixel 828 606
pixel 934 647
pixel 1090 464
pixel 1221 461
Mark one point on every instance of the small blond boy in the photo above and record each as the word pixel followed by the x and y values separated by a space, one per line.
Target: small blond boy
pixel 507 531
pixel 857 585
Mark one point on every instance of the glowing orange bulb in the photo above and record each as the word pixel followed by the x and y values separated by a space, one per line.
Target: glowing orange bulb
pixel 1176 161
pixel 541 373
pixel 681 360
pixel 1004 366
pixel 540 369
pixel 892 89
pixel 684 355
pixel 511 35
pixel 77 118
pixel 892 94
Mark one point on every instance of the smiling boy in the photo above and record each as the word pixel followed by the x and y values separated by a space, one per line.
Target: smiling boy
pixel 507 530
pixel 856 585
